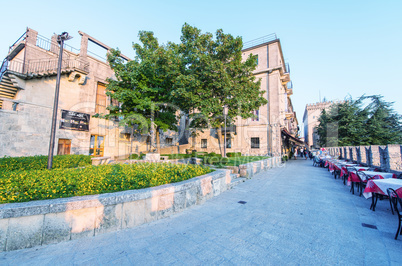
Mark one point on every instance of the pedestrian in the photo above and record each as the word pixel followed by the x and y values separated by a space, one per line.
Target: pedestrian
pixel 305 153
pixel 295 154
pixel 301 152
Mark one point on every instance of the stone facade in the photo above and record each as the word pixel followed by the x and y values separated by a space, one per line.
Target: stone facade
pixel 310 121
pixel 275 117
pixel 26 116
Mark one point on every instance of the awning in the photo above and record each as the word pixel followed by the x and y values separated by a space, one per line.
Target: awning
pixel 292 138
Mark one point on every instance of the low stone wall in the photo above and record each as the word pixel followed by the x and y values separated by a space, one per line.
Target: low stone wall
pixel 24 225
pixel 387 157
pixel 250 169
pixel 35 223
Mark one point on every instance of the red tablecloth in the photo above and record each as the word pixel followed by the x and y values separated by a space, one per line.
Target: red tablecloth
pixel 380 186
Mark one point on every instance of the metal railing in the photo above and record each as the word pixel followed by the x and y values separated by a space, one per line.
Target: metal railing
pixel 46 65
pixel 261 40
pixel 23 36
pixel 287 68
pixel 46 44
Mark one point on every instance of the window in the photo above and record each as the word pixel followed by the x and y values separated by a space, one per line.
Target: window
pixel 204 144
pixel 169 141
pixel 256 114
pixel 228 142
pixel 96 145
pixel 100 107
pixel 64 147
pixel 125 136
pixel 256 59
pixel 255 143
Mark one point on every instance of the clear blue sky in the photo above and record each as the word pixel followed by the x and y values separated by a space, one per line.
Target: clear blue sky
pixel 334 48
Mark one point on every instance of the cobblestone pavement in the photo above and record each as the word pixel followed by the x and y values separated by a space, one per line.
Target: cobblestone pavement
pixel 296 214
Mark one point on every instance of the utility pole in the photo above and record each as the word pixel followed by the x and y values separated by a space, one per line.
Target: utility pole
pixel 60 40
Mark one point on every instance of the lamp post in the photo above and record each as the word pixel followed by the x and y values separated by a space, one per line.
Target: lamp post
pixel 60 40
pixel 225 113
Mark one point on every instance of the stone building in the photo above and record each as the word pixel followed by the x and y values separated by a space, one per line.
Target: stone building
pixel 275 128
pixel 310 121
pixel 27 88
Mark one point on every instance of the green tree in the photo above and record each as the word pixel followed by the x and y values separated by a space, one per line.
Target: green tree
pixel 215 75
pixel 143 87
pixel 199 76
pixel 383 123
pixel 359 122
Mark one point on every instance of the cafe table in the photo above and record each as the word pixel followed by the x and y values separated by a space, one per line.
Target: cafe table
pixel 380 186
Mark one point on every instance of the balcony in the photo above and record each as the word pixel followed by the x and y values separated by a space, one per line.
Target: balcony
pixel 46 67
pixel 289 88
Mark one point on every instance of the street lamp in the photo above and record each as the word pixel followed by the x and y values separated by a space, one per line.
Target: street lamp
pixel 225 113
pixel 60 40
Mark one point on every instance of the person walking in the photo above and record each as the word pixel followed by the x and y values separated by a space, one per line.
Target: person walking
pixel 295 154
pixel 301 152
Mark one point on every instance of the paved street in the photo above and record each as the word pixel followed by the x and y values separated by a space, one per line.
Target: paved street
pixel 297 214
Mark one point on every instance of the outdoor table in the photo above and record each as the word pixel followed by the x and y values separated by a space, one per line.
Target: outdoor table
pixel 379 186
pixel 370 174
pixel 379 175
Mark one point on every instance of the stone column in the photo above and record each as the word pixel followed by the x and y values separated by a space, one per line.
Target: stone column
pixel 369 156
pixel 384 158
pixel 32 36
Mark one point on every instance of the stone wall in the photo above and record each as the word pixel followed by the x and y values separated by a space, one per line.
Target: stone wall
pixel 24 225
pixel 35 223
pixel 386 157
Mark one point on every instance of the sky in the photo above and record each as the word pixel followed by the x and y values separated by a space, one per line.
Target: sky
pixel 335 49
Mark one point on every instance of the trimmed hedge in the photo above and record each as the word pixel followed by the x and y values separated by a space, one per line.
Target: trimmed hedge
pixel 20 186
pixel 177 156
pixel 233 154
pixel 134 156
pixel 39 162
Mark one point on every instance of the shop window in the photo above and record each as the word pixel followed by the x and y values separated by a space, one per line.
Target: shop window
pixel 101 99
pixel 204 143
pixel 64 147
pixel 255 143
pixel 96 145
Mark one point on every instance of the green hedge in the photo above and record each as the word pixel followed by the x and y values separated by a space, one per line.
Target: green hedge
pixel 134 156
pixel 40 162
pixel 20 186
pixel 233 154
pixel 177 156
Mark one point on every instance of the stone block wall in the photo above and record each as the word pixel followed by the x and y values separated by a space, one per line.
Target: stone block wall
pixel 388 158
pixel 395 157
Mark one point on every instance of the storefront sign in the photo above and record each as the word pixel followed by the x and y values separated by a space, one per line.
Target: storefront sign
pixel 74 120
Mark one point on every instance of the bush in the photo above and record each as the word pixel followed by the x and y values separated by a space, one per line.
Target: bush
pixel 201 153
pixel 176 156
pixel 233 154
pixel 214 159
pixel 39 162
pixel 134 156
pixel 20 186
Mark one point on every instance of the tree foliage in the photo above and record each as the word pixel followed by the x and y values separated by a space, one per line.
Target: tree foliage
pixel 198 76
pixel 214 75
pixel 143 86
pixel 369 120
